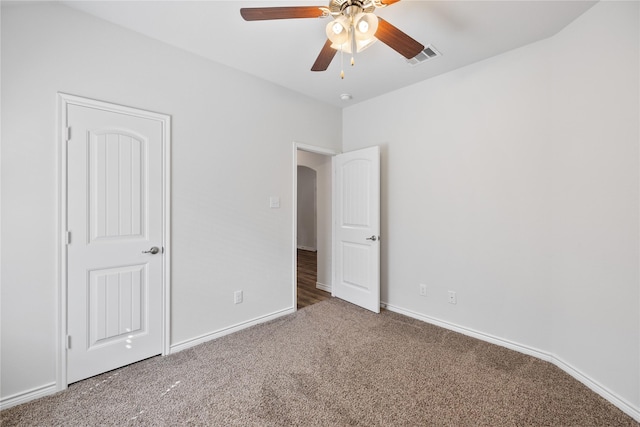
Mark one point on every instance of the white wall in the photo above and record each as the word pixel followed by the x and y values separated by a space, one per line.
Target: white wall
pixel 515 183
pixel 306 215
pixel 228 128
pixel 594 168
pixel 322 165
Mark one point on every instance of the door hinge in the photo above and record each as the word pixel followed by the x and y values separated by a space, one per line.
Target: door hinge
pixel 68 342
pixel 68 134
pixel 67 237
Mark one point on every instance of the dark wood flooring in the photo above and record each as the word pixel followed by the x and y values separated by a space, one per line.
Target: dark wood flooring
pixel 308 294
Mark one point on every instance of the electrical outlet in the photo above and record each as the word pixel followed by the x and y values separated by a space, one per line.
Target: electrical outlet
pixel 237 297
pixel 452 297
pixel 423 289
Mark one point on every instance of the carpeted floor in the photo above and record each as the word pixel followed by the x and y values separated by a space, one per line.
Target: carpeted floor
pixel 330 364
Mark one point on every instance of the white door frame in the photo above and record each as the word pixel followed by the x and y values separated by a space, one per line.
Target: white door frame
pixel 313 149
pixel 64 100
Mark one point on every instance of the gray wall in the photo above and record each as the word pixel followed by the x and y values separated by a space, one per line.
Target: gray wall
pixel 306 221
pixel 224 169
pixel 321 164
pixel 515 182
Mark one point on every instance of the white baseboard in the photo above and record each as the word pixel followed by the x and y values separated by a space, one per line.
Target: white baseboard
pixel 229 330
pixel 470 332
pixel 308 248
pixel 622 404
pixel 26 396
pixel 323 287
pixel 596 387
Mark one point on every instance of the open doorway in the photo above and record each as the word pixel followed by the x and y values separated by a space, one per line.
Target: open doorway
pixel 348 223
pixel 313 243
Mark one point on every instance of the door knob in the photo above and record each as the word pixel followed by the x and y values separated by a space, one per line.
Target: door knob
pixel 154 250
pixel 374 238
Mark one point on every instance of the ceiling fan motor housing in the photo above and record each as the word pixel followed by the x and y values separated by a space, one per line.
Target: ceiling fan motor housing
pixel 350 7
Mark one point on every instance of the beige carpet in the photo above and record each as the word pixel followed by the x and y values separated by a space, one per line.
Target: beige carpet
pixel 331 364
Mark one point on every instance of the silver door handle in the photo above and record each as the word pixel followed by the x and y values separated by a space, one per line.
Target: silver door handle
pixel 374 238
pixel 154 250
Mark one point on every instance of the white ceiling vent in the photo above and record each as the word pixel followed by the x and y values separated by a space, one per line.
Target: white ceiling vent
pixel 428 53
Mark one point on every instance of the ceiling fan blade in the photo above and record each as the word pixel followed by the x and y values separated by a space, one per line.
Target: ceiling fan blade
pixel 324 58
pixel 397 40
pixel 265 13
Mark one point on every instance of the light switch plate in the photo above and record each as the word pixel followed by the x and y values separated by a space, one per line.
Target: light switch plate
pixel 274 202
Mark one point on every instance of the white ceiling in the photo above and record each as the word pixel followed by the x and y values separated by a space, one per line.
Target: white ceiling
pixel 282 51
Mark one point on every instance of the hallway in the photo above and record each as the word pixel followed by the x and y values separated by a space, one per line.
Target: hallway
pixel 308 294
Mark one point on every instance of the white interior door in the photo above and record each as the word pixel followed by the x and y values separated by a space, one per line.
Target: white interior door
pixel 115 220
pixel 357 227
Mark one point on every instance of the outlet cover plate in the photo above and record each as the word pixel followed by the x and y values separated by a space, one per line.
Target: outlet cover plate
pixel 452 298
pixel 237 297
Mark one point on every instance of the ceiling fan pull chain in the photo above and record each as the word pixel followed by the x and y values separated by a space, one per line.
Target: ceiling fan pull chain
pixel 353 44
pixel 341 63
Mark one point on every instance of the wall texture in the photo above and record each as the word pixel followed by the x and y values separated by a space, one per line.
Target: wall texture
pixel 515 182
pixel 231 150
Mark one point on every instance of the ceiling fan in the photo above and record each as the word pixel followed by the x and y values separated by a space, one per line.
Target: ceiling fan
pixel 354 27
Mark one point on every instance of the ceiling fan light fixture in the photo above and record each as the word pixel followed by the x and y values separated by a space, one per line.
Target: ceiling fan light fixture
pixel 360 45
pixel 338 30
pixel 366 25
pixel 364 28
pixel 363 44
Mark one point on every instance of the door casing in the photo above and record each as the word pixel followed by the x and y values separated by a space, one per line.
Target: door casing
pixel 65 100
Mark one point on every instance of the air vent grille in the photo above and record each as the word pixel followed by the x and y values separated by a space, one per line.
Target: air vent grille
pixel 429 52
